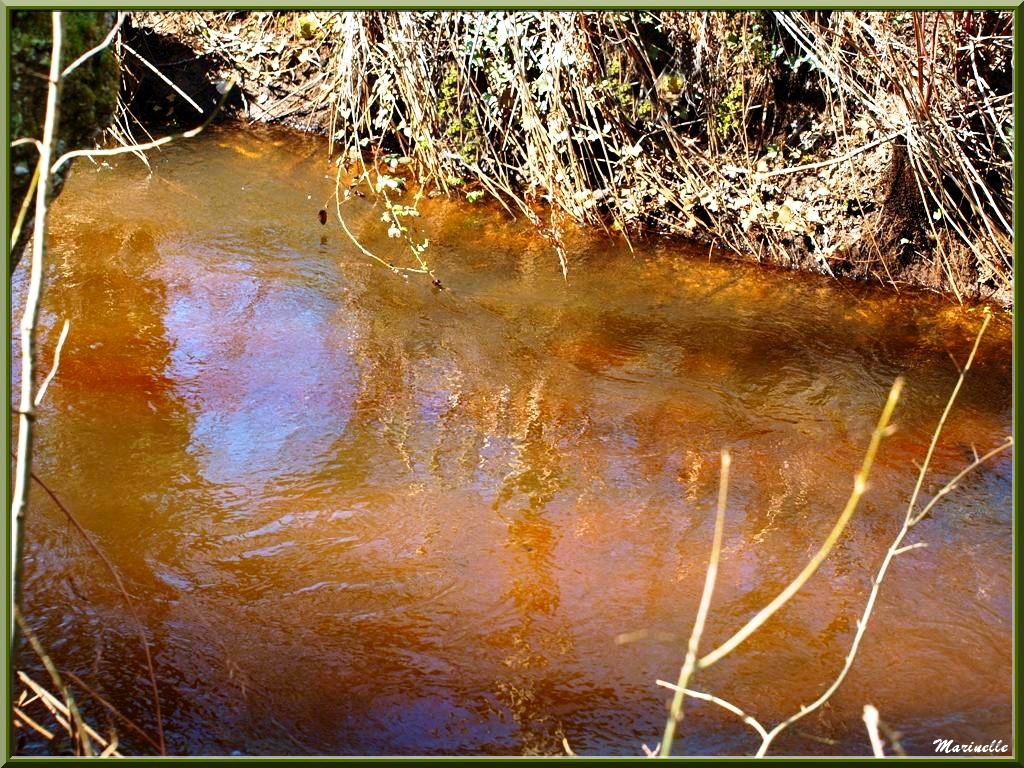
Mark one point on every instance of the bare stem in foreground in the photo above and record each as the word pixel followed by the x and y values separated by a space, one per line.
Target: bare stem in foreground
pixel 676 711
pixel 909 521
pixel 859 486
pixel 30 318
pixel 911 518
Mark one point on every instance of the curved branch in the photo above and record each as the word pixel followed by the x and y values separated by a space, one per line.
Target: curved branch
pixel 859 486
pixel 121 16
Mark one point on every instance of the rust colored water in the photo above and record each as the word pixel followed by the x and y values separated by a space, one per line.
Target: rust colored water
pixel 360 515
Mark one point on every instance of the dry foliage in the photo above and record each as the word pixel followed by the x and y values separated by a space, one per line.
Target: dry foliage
pixel 872 144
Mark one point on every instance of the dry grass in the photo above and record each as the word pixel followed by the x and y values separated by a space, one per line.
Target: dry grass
pixel 872 144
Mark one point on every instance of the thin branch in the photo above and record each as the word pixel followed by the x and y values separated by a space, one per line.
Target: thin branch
pixel 918 545
pixel 871 723
pixel 56 363
pixel 23 212
pixel 952 484
pixel 859 486
pixel 676 710
pixel 942 420
pixel 748 719
pixel 359 245
pixel 22 142
pixel 29 321
pixel 121 16
pixel 163 77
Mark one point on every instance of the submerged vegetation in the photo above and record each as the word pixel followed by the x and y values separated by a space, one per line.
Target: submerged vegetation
pixel 867 144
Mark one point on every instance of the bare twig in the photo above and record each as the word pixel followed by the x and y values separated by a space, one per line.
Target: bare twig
pixel 25 205
pixel 56 363
pixel 942 419
pixel 163 77
pixel 30 319
pixel 748 719
pixel 689 664
pixel 871 722
pixel 859 486
pixel 121 16
pixel 950 486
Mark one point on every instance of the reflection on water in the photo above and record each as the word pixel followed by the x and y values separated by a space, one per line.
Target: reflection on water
pixel 364 516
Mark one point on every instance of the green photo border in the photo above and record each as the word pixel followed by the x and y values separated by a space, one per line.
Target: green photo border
pixel 484 5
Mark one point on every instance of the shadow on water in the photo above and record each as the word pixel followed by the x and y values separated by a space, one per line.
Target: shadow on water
pixel 364 516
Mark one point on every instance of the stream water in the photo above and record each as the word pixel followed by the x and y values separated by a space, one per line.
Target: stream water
pixel 361 515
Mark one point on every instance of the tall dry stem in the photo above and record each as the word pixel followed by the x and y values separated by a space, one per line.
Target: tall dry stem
pixel 690 664
pixel 30 319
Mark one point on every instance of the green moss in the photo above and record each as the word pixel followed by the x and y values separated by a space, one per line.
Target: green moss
pixel 729 113
pixel 461 127
pixel 88 95
pixel 620 92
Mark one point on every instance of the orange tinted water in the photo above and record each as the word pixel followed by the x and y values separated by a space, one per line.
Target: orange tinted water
pixel 363 516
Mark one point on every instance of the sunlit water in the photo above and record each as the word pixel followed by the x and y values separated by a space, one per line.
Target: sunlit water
pixel 360 515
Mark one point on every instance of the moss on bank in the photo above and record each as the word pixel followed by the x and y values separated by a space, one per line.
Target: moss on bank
pixel 88 97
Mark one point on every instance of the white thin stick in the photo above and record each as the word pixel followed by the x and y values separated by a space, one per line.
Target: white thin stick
pixel 163 77
pixel 748 719
pixel 690 664
pixel 56 362
pixel 30 318
pixel 909 547
pixel 19 142
pixel 952 484
pixel 871 722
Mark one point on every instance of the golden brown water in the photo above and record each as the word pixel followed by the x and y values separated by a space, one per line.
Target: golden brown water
pixel 363 516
